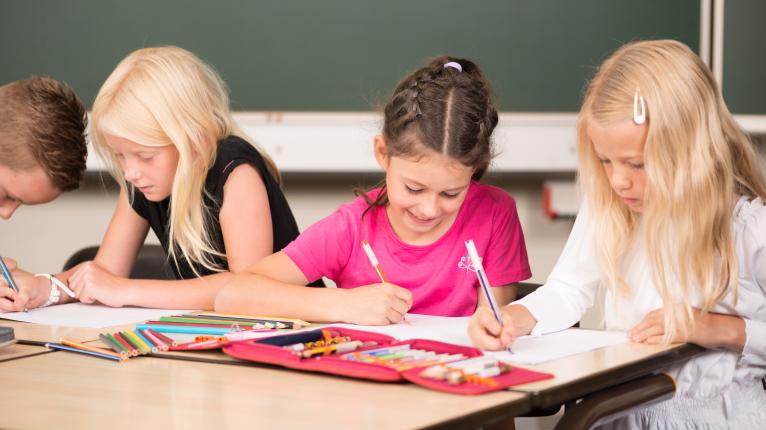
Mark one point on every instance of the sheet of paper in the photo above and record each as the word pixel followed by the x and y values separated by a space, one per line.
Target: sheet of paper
pixel 92 316
pixel 525 350
pixel 539 349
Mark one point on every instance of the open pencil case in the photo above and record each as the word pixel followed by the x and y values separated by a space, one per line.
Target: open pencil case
pixel 375 358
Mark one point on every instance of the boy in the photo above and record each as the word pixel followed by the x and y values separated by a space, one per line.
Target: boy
pixel 42 142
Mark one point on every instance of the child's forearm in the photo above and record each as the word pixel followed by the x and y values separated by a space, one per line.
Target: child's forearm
pixel 197 293
pixel 259 295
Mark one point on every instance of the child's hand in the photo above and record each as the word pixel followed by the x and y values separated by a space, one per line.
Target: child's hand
pixel 487 333
pixel 711 330
pixel 33 291
pixel 10 263
pixel 10 300
pixel 91 283
pixel 376 304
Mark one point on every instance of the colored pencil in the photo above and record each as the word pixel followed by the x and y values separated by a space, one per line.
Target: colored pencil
pixel 135 341
pixel 161 345
pixel 168 341
pixel 75 344
pixel 114 345
pixel 124 342
pixel 270 326
pixel 184 329
pixel 297 322
pixel 8 277
pixel 374 261
pixel 143 339
pixel 110 356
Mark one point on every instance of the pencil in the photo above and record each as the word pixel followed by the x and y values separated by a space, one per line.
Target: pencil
pixel 374 261
pixel 82 351
pixel 124 342
pixel 184 329
pixel 133 340
pixel 8 277
pixel 142 346
pixel 143 338
pixel 114 345
pixel 297 322
pixel 376 265
pixel 74 344
pixel 161 345
pixel 162 337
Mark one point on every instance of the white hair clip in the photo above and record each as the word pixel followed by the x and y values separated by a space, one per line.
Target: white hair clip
pixel 639 108
pixel 455 65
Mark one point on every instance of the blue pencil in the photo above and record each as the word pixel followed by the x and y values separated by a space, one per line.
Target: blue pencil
pixel 8 277
pixel 185 329
pixel 81 351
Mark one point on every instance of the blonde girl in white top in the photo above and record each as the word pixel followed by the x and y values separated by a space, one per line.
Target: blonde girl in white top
pixel 674 227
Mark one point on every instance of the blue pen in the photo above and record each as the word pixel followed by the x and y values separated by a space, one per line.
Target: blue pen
pixel 8 277
pixel 473 254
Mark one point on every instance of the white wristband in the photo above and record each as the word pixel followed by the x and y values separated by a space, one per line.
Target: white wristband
pixel 56 285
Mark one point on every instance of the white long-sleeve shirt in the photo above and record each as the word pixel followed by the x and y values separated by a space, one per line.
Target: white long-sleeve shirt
pixel 719 389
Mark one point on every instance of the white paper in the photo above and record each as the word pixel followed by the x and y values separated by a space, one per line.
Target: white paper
pixel 525 350
pixel 539 349
pixel 91 316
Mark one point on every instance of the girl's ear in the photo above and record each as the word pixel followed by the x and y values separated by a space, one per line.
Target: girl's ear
pixel 381 152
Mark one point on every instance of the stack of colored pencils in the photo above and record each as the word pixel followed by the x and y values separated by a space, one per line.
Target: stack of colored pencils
pixel 210 323
pixel 131 343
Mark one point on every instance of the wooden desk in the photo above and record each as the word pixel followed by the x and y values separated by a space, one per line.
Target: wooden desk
pixel 39 334
pixel 624 376
pixel 71 390
pixel 581 374
pixel 16 350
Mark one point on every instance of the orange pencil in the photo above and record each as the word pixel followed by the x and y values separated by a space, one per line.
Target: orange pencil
pixel 376 264
pixel 374 261
pixel 78 345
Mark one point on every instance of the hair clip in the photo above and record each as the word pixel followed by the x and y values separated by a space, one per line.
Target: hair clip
pixel 455 65
pixel 639 112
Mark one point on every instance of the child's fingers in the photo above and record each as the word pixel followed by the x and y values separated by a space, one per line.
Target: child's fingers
pixel 652 330
pixel 484 330
pixel 393 316
pixel 10 263
pixel 400 306
pixel 7 299
pixel 403 294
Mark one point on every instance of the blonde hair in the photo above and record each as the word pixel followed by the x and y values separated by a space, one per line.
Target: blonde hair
pixel 697 162
pixel 168 96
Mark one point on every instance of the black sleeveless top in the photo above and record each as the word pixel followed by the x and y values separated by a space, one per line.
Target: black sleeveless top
pixel 232 151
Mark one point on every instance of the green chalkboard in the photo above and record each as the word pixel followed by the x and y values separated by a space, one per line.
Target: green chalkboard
pixel 336 55
pixel 744 56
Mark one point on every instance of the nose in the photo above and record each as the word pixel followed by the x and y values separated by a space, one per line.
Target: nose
pixel 7 209
pixel 429 207
pixel 620 178
pixel 132 172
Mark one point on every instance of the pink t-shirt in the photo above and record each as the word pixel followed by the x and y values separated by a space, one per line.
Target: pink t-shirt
pixel 438 275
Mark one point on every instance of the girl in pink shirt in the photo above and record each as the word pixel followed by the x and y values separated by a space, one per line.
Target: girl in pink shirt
pixel 435 147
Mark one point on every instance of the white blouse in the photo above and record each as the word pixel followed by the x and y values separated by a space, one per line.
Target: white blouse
pixel 718 389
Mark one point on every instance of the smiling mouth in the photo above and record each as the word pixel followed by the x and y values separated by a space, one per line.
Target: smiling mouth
pixel 419 220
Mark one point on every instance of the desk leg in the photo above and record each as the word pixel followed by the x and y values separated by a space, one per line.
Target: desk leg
pixel 616 400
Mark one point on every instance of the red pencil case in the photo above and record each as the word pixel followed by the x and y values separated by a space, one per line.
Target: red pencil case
pixel 338 365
